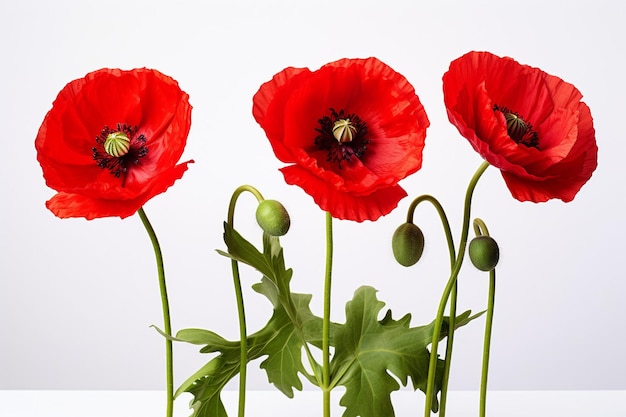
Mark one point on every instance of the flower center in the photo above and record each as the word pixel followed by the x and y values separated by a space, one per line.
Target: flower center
pixel 344 131
pixel 117 144
pixel 342 136
pixel 118 149
pixel 519 129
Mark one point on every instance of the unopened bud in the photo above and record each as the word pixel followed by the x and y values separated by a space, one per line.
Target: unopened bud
pixel 273 218
pixel 484 253
pixel 407 244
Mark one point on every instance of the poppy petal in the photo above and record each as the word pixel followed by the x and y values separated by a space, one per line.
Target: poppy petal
pixel 553 152
pixel 66 205
pixel 297 110
pixel 155 115
pixel 345 205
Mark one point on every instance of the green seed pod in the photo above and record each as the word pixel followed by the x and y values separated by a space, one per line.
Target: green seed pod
pixel 484 253
pixel 273 218
pixel 407 244
pixel 117 144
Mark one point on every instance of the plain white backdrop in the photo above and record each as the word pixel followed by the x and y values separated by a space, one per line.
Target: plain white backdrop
pixel 70 318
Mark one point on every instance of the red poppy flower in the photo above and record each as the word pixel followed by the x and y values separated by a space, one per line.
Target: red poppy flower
pixel 351 131
pixel 112 141
pixel 529 124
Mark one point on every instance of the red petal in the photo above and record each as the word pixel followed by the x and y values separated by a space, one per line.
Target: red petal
pixel 269 104
pixel 66 205
pixel 345 205
pixel 567 153
pixel 290 106
pixel 144 98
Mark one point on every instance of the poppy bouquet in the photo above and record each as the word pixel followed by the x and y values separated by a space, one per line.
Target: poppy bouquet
pixel 348 133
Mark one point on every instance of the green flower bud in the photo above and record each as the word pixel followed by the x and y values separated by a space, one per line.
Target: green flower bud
pixel 484 253
pixel 407 244
pixel 273 218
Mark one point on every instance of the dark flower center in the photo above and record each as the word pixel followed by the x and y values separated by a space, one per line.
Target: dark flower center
pixel 519 129
pixel 118 149
pixel 343 136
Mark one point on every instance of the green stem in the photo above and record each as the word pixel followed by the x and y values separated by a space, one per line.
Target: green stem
pixel 453 298
pixel 243 334
pixel 448 359
pixel 487 342
pixel 432 367
pixel 326 388
pixel 480 229
pixel 167 326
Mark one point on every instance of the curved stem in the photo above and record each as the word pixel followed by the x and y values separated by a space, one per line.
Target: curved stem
pixel 243 334
pixel 487 342
pixel 167 327
pixel 326 388
pixel 480 228
pixel 453 297
pixel 289 309
pixel 432 367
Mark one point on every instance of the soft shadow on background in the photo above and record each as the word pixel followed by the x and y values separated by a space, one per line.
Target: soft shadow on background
pixel 70 318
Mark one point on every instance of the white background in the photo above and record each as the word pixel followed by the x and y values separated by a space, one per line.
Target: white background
pixel 71 318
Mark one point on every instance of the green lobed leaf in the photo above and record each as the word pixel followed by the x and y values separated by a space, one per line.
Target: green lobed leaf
pixel 270 263
pixel 368 351
pixel 284 347
pixel 280 341
pixel 206 386
pixel 205 337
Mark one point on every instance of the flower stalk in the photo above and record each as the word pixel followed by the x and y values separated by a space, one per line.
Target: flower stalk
pixel 487 343
pixel 165 307
pixel 326 388
pixel 454 294
pixel 480 228
pixel 241 313
pixel 448 288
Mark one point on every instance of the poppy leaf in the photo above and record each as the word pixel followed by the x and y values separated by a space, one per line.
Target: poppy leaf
pixel 369 350
pixel 281 340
